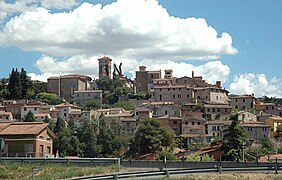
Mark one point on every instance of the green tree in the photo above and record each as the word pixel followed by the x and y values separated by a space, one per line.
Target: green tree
pixel 90 105
pixel 30 93
pixel 151 136
pixel 4 92
pixel 60 125
pixel 124 104
pixel 29 117
pixel 88 134
pixel 204 157
pixel 25 82
pixel 49 98
pixel 234 138
pixel 199 107
pixel 14 86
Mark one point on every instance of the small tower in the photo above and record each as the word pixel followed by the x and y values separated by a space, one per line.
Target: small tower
pixel 105 67
pixel 168 74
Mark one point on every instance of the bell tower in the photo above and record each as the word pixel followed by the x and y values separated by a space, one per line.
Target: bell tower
pixel 105 67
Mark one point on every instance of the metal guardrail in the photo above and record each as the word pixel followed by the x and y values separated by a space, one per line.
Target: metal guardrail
pixel 166 173
pixel 74 161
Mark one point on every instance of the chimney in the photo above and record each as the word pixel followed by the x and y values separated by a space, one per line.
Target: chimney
pixel 192 74
pixel 218 84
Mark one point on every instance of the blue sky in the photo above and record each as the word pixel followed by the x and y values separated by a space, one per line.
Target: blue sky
pixel 245 54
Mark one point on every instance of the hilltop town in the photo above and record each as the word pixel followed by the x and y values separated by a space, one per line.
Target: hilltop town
pixel 196 112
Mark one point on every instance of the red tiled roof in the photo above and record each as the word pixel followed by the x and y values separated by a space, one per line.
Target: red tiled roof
pixel 23 128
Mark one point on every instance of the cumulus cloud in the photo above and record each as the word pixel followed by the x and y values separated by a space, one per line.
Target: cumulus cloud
pixel 126 29
pixel 19 6
pixel 49 66
pixel 256 83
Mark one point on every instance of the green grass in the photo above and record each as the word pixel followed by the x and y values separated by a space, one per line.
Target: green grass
pixel 51 171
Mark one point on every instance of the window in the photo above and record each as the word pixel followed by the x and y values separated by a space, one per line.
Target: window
pixel 236 107
pixel 193 123
pixel 173 89
pixel 186 123
pixel 65 114
pixel 225 110
pixel 173 96
pixel 179 95
pixel 174 122
pixel 28 148
pixel 243 100
pixel 49 149
pixel 250 128
pixel 168 89
pixel 213 110
pixel 35 109
pixel 24 109
pixel 187 95
pixel 218 110
pixel 214 128
pixel 243 107
pixel 165 112
pixel 160 97
pixel 236 100
pixel 136 113
pixel 264 129
pixel 209 110
pixel 160 89
pixel 199 123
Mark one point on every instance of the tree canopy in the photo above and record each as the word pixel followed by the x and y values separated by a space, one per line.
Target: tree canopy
pixel 49 98
pixel 29 117
pixel 233 140
pixel 151 136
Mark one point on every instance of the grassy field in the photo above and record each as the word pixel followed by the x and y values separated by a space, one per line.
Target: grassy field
pixel 230 176
pixel 51 171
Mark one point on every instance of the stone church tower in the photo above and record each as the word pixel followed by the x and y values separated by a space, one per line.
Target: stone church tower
pixel 105 67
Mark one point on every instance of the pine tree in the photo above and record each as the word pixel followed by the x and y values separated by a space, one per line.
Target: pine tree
pixel 29 117
pixel 233 140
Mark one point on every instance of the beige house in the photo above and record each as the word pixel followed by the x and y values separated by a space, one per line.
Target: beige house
pixel 245 116
pixel 273 122
pixel 173 123
pixel 6 116
pixel 193 125
pixel 128 125
pixel 256 131
pixel 242 102
pixel 217 111
pixel 82 97
pixel 181 94
pixel 216 128
pixel 27 139
pixel 269 108
pixel 142 113
pixel 164 108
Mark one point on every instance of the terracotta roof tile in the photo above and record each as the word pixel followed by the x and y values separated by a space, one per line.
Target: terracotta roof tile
pixel 24 128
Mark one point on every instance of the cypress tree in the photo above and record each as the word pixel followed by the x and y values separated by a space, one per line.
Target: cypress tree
pixel 29 117
pixel 14 86
pixel 25 83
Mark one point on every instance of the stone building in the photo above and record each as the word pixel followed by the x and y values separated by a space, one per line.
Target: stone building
pixel 64 86
pixel 242 102
pixel 144 79
pixel 82 97
pixel 105 67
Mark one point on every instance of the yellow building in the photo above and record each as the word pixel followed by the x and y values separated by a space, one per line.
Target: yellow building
pixel 274 122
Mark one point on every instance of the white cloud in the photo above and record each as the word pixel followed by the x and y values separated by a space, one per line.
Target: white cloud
pixel 211 71
pixel 81 64
pixel 58 4
pixel 129 29
pixel 23 5
pixel 256 83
